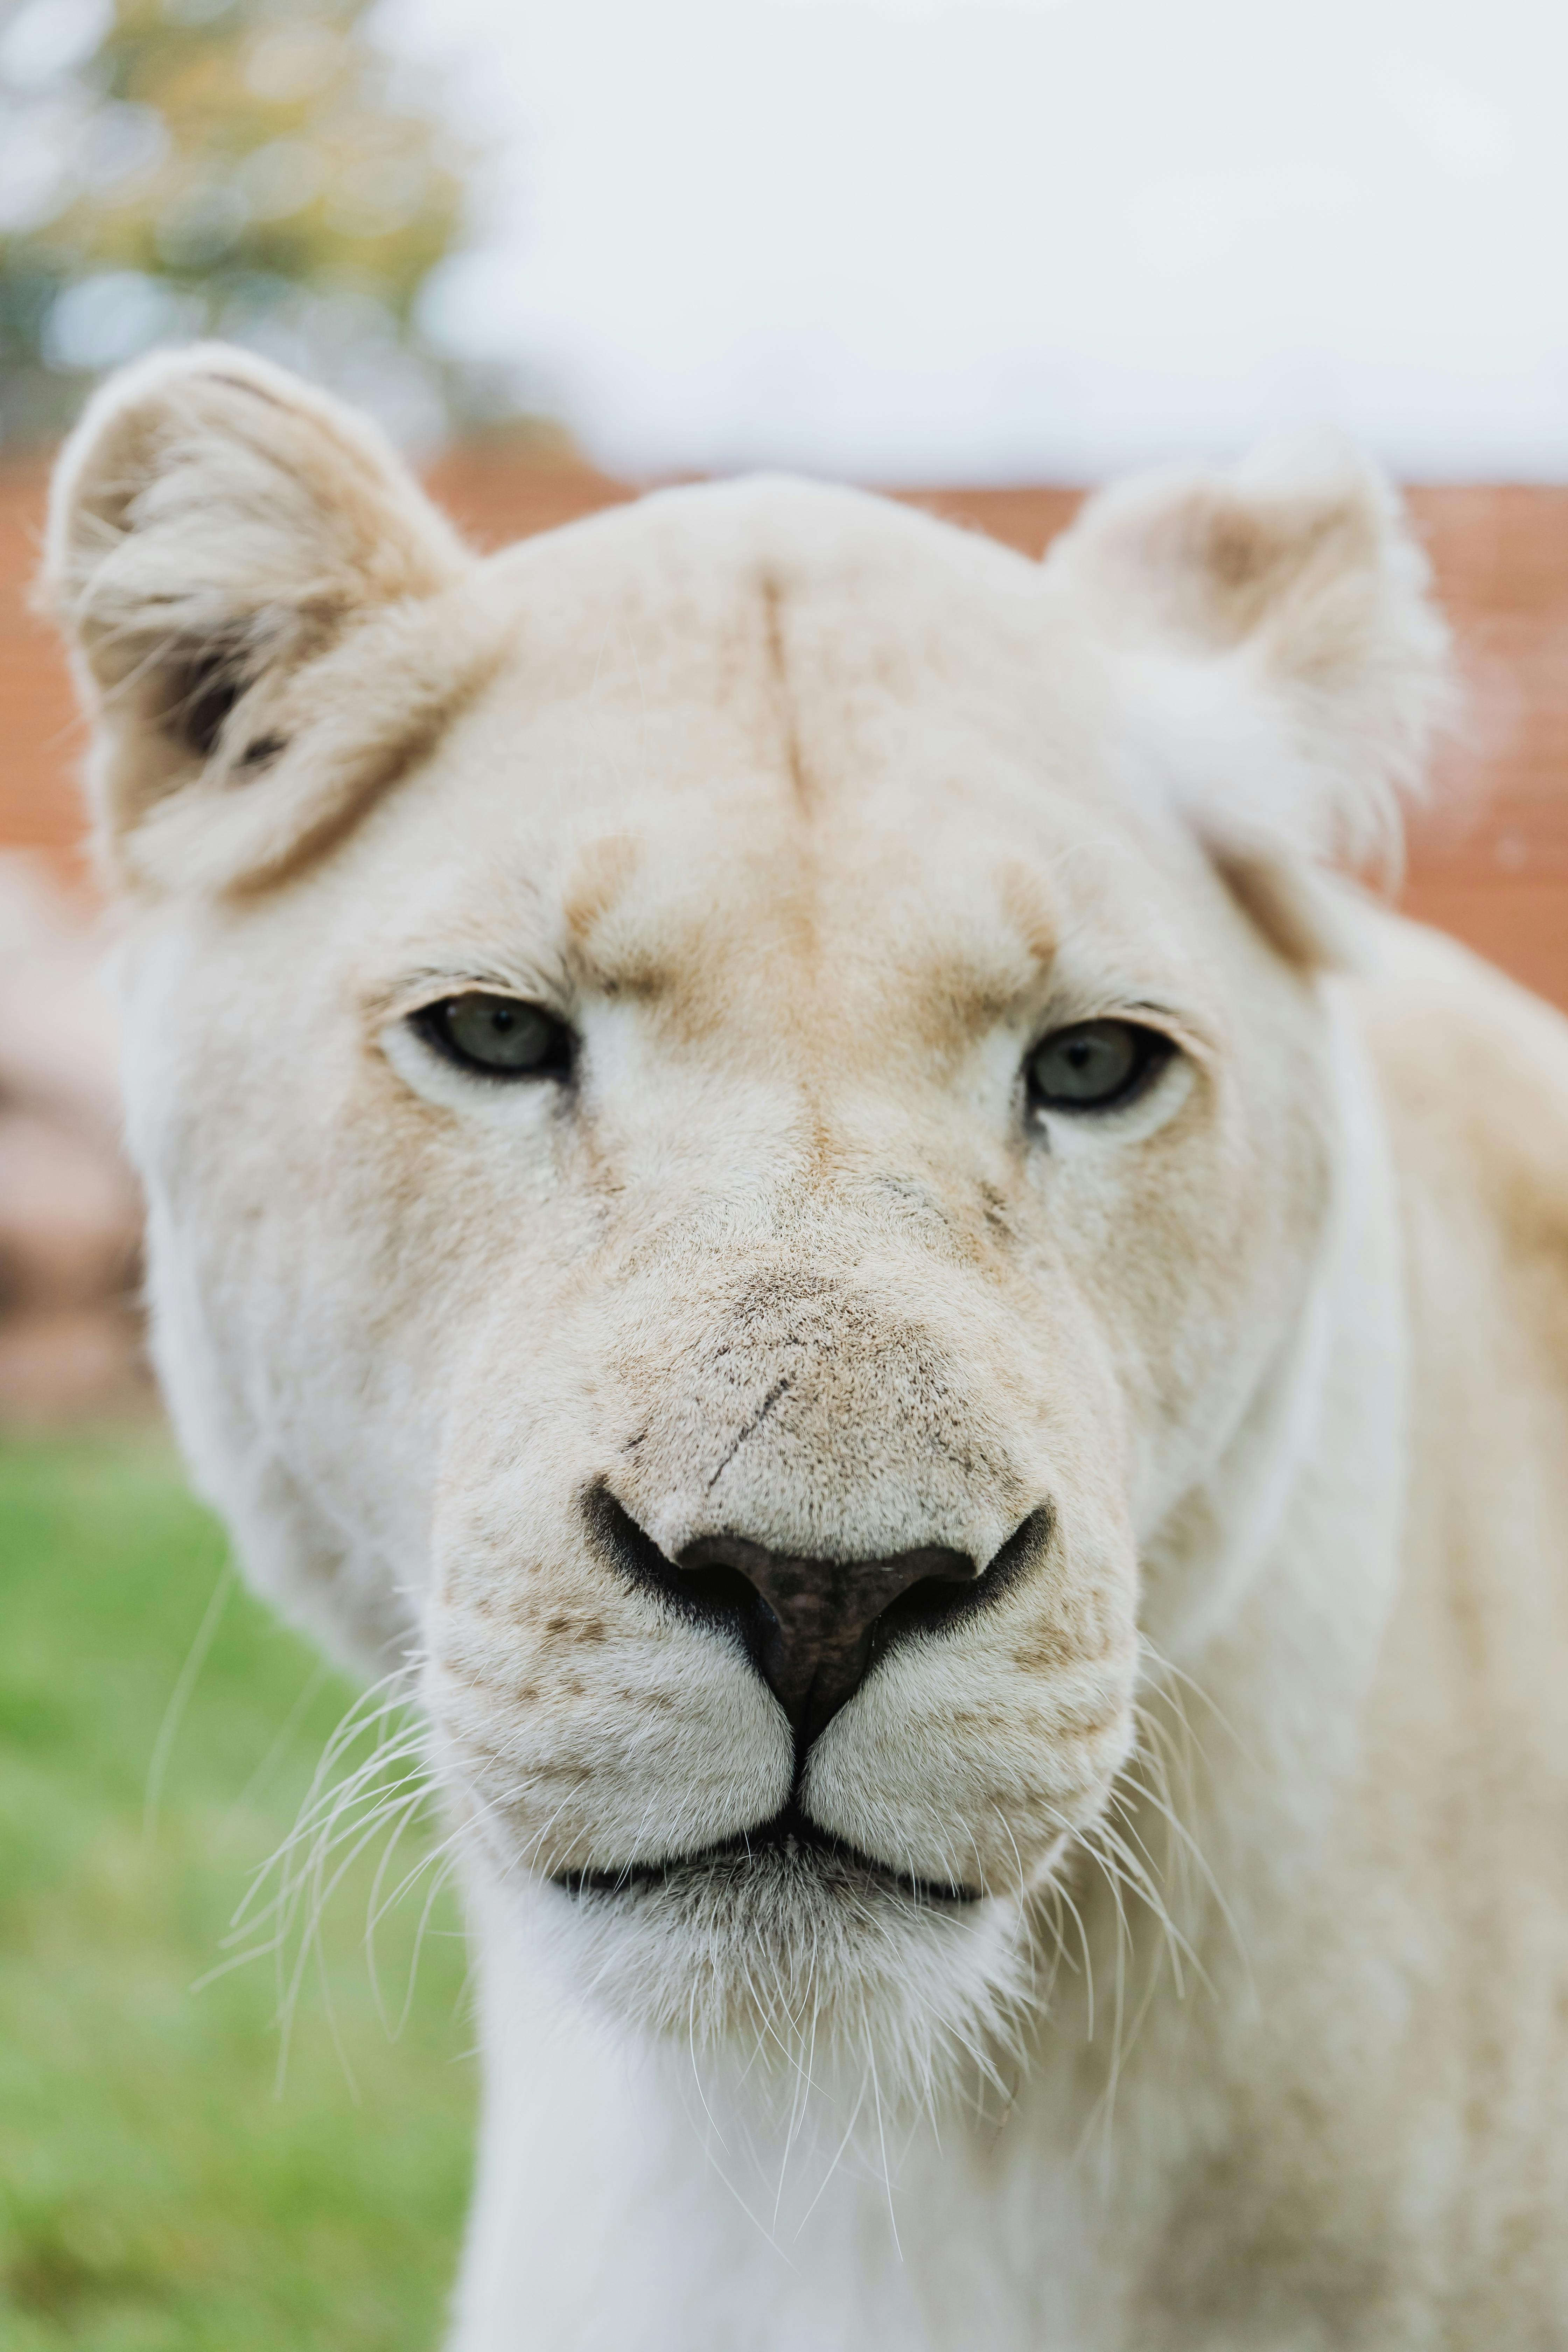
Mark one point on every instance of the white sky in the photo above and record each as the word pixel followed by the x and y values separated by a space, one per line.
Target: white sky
pixel 1019 239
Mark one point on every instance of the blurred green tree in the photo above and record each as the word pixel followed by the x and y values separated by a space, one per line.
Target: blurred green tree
pixel 255 169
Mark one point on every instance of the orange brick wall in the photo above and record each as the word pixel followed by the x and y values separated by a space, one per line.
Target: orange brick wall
pixel 1490 863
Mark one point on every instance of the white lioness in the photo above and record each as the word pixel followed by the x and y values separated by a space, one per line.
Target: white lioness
pixel 771 1162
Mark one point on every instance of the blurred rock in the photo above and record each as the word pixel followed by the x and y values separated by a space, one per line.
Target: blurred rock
pixel 70 1217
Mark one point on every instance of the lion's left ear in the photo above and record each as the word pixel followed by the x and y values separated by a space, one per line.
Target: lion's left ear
pixel 1276 656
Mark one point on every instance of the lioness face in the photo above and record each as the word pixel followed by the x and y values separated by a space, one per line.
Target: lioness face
pixel 720 1214
pixel 654 1212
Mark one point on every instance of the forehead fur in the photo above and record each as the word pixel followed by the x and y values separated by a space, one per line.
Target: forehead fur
pixel 775 632
pixel 778 629
pixel 718 565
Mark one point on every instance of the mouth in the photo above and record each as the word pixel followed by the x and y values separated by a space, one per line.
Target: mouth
pixel 787 1845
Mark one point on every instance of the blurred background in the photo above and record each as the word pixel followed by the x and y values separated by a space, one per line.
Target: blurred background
pixel 981 252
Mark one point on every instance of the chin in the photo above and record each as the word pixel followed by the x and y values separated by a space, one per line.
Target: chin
pixel 804 1960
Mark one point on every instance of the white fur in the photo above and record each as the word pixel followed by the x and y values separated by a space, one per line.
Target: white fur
pixel 811 818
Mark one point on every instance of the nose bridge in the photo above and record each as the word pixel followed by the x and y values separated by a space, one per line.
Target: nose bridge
pixel 810 1407
pixel 850 1203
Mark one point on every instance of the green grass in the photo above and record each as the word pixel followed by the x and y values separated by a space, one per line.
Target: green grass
pixel 159 2191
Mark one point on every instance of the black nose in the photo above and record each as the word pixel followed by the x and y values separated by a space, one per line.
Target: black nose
pixel 813 1627
pixel 815 1622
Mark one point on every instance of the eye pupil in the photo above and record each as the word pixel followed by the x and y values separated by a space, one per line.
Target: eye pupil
pixel 499 1035
pixel 1095 1064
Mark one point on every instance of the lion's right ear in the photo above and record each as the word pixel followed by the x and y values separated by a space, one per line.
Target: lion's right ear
pixel 218 531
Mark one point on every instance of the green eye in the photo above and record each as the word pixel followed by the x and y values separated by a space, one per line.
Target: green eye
pixel 1095 1066
pixel 500 1036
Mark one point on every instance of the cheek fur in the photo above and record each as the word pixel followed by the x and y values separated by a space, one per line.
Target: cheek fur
pixel 596 1745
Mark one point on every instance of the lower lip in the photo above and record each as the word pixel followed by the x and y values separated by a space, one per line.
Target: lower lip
pixel 797 1838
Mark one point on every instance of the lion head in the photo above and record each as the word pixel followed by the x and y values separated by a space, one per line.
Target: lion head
pixel 734 1112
